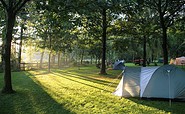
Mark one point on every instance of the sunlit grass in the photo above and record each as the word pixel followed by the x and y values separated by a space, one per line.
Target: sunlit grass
pixel 74 90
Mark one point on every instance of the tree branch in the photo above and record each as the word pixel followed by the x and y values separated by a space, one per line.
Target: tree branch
pixel 4 4
pixel 165 6
pixel 173 14
pixel 20 5
pixel 177 9
pixel 17 4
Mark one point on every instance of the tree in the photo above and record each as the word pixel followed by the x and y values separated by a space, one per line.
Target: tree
pixel 168 12
pixel 144 23
pixel 2 30
pixel 57 19
pixel 22 22
pixel 11 7
pixel 177 41
pixel 99 15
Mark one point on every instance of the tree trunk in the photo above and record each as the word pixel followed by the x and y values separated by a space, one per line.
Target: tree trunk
pixel 8 38
pixel 82 57
pixel 164 35
pixel 153 55
pixel 59 58
pixel 66 59
pixel 91 59
pixel 41 60
pixel 103 66
pixel 49 62
pixel 144 51
pixel 42 54
pixel 20 48
pixel 3 47
pixel 96 61
pixel 164 46
pixel 53 59
pixel 49 59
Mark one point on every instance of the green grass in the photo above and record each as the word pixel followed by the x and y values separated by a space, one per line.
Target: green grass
pixel 72 90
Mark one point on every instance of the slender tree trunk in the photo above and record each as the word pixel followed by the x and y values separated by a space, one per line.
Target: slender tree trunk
pixel 7 71
pixel 164 46
pixel 164 34
pixel 91 59
pixel 2 56
pixel 53 59
pixel 152 55
pixel 103 66
pixel 49 62
pixel 59 58
pixel 66 58
pixel 20 47
pixel 49 59
pixel 82 57
pixel 96 61
pixel 144 51
pixel 41 59
pixel 42 54
pixel 3 47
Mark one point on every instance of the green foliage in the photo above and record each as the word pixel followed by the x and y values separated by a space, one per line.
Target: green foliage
pixel 176 40
pixel 2 18
pixel 71 90
pixel 122 46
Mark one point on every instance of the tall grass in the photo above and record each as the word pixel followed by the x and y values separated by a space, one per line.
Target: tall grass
pixel 74 90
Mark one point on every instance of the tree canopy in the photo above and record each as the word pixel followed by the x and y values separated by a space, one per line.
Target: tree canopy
pixel 93 29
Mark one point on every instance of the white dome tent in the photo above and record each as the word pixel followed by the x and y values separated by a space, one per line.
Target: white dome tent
pixel 166 81
pixel 119 65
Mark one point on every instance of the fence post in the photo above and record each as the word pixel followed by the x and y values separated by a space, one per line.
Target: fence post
pixel 37 65
pixel 23 68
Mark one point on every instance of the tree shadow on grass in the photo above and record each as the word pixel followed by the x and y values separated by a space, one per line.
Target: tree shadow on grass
pixel 29 98
pixel 87 78
pixel 162 104
pixel 85 70
pixel 67 76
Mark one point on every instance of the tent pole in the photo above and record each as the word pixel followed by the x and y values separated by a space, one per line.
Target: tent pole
pixel 169 87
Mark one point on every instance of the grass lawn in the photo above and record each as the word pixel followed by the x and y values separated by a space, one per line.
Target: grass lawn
pixel 73 90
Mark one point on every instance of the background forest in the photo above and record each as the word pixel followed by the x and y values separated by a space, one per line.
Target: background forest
pixel 74 32
pixel 60 37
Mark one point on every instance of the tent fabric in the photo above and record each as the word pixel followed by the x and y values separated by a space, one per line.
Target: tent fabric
pixel 165 81
pixel 172 61
pixel 129 84
pixel 119 89
pixel 119 65
pixel 180 61
pixel 145 76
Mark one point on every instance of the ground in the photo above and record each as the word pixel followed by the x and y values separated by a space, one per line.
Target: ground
pixel 71 90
